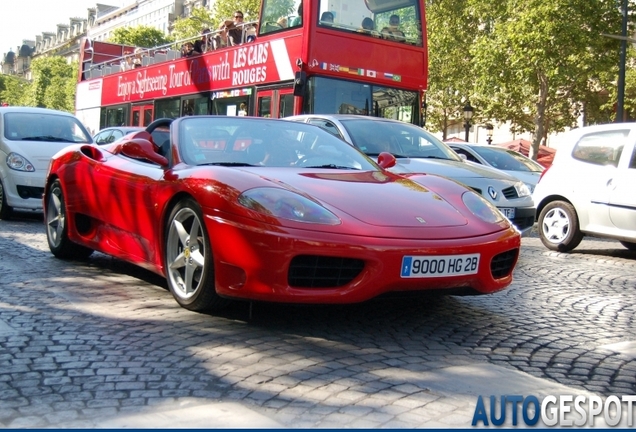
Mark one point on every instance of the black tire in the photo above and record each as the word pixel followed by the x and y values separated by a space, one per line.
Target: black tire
pixel 57 228
pixel 189 264
pixel 559 227
pixel 629 245
pixel 5 210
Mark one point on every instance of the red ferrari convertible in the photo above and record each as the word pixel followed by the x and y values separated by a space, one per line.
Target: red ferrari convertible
pixel 271 210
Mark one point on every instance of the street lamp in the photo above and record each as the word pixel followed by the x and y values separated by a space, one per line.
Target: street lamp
pixel 468 114
pixel 489 130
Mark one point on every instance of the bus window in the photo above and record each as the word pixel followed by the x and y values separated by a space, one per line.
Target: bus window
pixel 279 15
pixel 264 106
pixel 167 108
pixel 394 20
pixel 194 106
pixel 329 95
pixel 286 105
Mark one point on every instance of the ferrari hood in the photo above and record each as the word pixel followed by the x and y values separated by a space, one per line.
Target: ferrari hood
pixel 372 197
pixel 447 168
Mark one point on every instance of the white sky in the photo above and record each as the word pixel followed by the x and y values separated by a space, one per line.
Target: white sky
pixel 24 19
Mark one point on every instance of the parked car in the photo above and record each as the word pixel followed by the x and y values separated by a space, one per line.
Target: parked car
pixel 111 134
pixel 588 190
pixel 509 161
pixel 29 137
pixel 418 151
pixel 271 210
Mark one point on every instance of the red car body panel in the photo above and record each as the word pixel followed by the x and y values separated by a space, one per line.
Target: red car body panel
pixel 120 206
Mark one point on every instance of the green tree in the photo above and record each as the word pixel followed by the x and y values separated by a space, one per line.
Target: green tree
pixel 190 27
pixel 537 61
pixel 140 36
pixel 53 84
pixel 224 9
pixel 451 30
pixel 13 90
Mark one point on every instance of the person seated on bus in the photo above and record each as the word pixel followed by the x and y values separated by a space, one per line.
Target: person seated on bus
pixel 188 50
pixel 392 32
pixel 136 61
pixel 298 19
pixel 326 18
pixel 126 62
pixel 368 27
pixel 282 21
pixel 202 45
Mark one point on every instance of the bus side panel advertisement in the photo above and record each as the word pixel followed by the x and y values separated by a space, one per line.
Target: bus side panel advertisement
pixel 245 65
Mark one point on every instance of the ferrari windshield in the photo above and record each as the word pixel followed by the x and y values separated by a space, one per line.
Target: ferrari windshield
pixel 401 139
pixel 247 141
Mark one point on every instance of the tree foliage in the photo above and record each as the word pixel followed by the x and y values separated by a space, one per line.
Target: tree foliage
pixel 191 27
pixel 535 61
pixel 13 90
pixel 540 65
pixel 140 36
pixel 451 31
pixel 224 9
pixel 53 84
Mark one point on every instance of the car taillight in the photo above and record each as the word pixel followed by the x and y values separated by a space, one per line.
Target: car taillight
pixel 543 173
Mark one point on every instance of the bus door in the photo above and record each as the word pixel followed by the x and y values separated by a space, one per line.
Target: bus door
pixel 142 115
pixel 276 103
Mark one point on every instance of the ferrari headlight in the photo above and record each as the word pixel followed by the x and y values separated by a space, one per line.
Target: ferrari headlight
pixel 481 208
pixel 19 163
pixel 522 189
pixel 285 204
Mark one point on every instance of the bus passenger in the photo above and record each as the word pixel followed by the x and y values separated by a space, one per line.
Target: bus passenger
pixel 202 45
pixel 282 21
pixel 368 27
pixel 298 20
pixel 326 18
pixel 392 32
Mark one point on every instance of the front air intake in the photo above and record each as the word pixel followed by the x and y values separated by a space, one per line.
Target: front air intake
pixel 502 264
pixel 310 271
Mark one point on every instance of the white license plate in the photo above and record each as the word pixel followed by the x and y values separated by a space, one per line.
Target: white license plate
pixel 508 212
pixel 439 266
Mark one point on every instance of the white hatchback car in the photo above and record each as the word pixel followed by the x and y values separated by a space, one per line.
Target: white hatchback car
pixel 588 190
pixel 29 137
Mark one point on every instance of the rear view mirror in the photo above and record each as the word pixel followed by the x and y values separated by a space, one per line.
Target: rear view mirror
pixel 300 82
pixel 386 160
pixel 139 148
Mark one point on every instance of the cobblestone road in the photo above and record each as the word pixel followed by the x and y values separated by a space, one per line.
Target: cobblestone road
pixel 98 343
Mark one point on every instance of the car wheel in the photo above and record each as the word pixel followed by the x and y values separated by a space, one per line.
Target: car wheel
pixel 629 245
pixel 188 259
pixel 57 229
pixel 559 227
pixel 5 210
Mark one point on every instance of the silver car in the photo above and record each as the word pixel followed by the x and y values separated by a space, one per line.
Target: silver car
pixel 417 151
pixel 506 160
pixel 29 137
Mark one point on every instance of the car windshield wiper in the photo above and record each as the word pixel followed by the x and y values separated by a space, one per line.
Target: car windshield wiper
pixel 331 166
pixel 228 164
pixel 46 138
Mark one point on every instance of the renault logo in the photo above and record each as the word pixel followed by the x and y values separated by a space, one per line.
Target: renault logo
pixel 492 192
pixel 420 220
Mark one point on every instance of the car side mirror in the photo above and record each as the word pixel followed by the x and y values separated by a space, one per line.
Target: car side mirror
pixel 139 148
pixel 386 160
pixel 463 156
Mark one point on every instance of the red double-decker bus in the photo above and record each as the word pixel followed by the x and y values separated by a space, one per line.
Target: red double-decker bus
pixel 335 56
